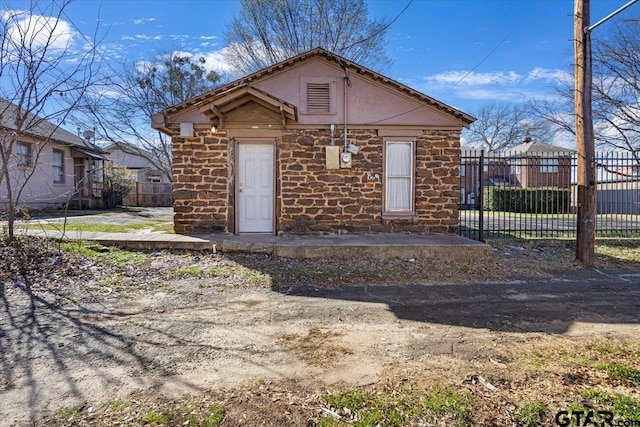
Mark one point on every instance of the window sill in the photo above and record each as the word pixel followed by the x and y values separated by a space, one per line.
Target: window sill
pixel 409 216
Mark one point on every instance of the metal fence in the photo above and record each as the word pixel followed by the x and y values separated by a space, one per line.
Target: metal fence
pixel 534 194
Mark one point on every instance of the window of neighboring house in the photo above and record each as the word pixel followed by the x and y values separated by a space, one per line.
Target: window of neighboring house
pixel 23 154
pixel 549 165
pixel 58 166
pixel 515 166
pixel 399 177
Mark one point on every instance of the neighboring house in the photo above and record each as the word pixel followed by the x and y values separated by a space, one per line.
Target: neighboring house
pixel 314 144
pixel 136 160
pixel 528 165
pixel 538 164
pixel 153 187
pixel 56 167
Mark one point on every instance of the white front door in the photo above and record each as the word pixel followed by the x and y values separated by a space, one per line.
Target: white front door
pixel 255 188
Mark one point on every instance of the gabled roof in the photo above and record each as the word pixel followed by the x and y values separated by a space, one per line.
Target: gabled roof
pixel 530 147
pixel 41 128
pixel 243 94
pixel 342 62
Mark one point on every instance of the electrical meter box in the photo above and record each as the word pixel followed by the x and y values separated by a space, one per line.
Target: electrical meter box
pixel 345 160
pixel 332 157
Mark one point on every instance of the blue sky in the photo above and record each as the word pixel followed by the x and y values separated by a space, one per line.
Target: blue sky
pixel 463 52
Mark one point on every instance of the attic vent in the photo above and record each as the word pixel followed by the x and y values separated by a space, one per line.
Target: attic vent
pixel 318 98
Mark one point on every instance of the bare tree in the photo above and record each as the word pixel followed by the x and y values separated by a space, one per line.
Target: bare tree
pixel 266 32
pixel 44 72
pixel 500 126
pixel 616 93
pixel 141 89
pixel 616 97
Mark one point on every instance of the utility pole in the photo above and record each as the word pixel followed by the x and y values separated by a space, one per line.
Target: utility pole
pixel 585 145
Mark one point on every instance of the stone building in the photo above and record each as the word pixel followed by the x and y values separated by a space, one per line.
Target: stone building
pixel 314 144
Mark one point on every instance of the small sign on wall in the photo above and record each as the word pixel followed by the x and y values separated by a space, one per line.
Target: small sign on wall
pixel 186 129
pixel 332 157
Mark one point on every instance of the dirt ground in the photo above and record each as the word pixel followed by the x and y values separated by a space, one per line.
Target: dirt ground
pixel 79 331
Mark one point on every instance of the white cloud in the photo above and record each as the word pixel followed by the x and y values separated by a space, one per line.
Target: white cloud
pixel 208 37
pixel 37 30
pixel 548 75
pixel 509 85
pixel 180 37
pixel 144 20
pixel 216 61
pixel 474 79
pixel 143 37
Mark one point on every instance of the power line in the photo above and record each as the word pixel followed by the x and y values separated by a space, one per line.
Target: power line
pixel 516 25
pixel 381 30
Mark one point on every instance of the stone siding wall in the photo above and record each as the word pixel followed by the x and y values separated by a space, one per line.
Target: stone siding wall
pixel 317 200
pixel 438 181
pixel 310 198
pixel 202 184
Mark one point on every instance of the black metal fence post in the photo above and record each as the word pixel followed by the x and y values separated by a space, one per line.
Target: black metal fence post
pixel 480 197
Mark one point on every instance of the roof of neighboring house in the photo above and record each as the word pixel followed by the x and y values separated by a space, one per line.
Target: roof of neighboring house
pixel 41 128
pixel 342 62
pixel 126 147
pixel 530 147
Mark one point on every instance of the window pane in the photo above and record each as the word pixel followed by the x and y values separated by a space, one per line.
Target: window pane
pixel 399 177
pixel 58 166
pixel 399 194
pixel 399 159
pixel 23 154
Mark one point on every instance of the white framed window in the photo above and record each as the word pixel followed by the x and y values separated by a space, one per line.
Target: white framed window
pixel 58 166
pixel 23 154
pixel 399 177
pixel 549 165
pixel 515 166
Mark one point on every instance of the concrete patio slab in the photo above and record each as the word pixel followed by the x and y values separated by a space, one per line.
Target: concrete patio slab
pixel 352 245
pixel 379 246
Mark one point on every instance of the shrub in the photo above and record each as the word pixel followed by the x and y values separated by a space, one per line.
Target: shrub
pixel 527 200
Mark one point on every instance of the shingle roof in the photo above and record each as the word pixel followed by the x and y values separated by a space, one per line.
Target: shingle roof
pixel 40 128
pixel 538 147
